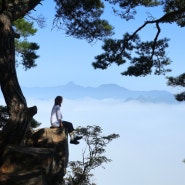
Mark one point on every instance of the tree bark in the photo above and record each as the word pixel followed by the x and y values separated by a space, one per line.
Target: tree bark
pixel 20 114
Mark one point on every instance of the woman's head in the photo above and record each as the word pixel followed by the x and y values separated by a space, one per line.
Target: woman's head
pixel 58 100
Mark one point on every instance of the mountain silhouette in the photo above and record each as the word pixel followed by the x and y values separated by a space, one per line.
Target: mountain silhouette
pixel 105 91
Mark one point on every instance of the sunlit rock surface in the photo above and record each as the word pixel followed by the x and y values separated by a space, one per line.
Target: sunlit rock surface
pixel 41 161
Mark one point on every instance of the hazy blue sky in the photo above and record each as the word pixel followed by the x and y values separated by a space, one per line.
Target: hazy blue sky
pixel 151 147
pixel 64 59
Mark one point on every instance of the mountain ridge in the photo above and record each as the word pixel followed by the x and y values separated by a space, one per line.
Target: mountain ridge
pixel 104 91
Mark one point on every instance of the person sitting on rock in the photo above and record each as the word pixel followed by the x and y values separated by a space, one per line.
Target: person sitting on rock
pixel 57 121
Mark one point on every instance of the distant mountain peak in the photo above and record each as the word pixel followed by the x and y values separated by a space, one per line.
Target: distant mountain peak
pixel 71 83
pixel 104 91
pixel 112 86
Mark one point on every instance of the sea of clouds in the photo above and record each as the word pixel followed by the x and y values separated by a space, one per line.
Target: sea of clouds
pixel 150 149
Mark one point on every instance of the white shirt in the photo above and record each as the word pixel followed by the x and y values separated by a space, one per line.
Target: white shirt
pixel 56 115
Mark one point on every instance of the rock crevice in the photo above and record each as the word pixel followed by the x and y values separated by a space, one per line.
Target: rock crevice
pixel 41 161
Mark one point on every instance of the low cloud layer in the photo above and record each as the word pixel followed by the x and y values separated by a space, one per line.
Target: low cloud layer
pixel 150 149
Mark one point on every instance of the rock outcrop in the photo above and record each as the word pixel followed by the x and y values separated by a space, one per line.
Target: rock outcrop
pixel 41 161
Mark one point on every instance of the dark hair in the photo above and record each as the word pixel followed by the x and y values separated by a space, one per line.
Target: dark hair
pixel 58 99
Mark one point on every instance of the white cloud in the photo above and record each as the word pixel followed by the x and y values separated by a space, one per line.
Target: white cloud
pixel 150 149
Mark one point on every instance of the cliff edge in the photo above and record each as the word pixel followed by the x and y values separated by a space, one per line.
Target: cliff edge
pixel 41 161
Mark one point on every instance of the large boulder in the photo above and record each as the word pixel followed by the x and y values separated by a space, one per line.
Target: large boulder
pixel 41 161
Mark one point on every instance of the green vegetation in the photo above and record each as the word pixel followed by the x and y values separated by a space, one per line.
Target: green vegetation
pixel 93 155
pixel 81 19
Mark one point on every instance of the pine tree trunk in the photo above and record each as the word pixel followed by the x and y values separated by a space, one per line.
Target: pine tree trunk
pixel 20 114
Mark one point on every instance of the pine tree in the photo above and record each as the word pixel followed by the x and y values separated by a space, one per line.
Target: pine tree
pixel 93 156
pixel 82 19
